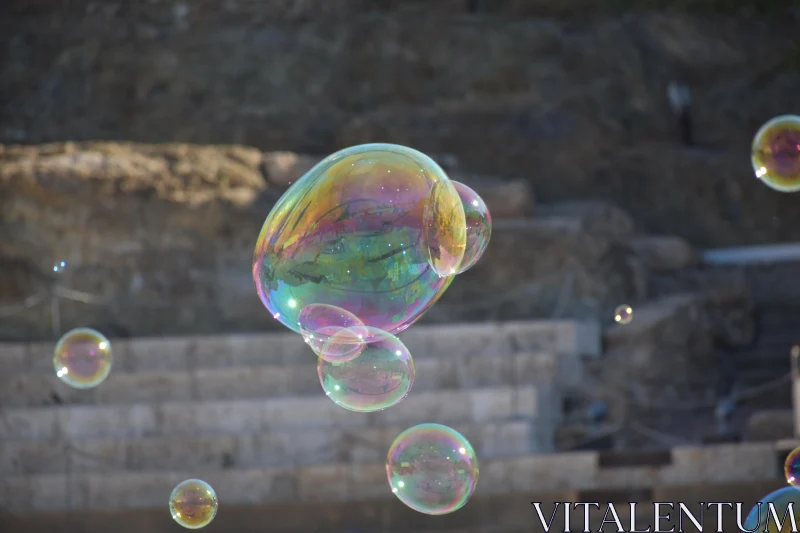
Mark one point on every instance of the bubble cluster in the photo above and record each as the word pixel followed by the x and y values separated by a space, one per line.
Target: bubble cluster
pixel 335 334
pixel 623 314
pixel 432 469
pixel 760 517
pixel 380 377
pixel 776 153
pixel 193 503
pixel 355 232
pixel 82 358
pixel 791 468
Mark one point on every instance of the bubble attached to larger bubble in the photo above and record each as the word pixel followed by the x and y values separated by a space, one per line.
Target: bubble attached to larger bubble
pixel 193 504
pixel 479 226
pixel 350 233
pixel 432 468
pixel 791 468
pixel 445 228
pixel 82 358
pixel 761 518
pixel 776 153
pixel 381 376
pixel 335 334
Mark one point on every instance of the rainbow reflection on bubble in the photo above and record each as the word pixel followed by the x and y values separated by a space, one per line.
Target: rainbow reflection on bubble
pixel 791 467
pixel 445 228
pixel 776 153
pixel 350 233
pixel 479 226
pixel 82 358
pixel 761 518
pixel 380 377
pixel 335 334
pixel 432 469
pixel 193 504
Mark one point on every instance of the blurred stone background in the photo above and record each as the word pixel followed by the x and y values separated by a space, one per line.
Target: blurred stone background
pixel 557 112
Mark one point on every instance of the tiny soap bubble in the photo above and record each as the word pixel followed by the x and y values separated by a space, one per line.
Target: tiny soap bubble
pixel 82 358
pixel 623 314
pixel 193 504
pixel 776 153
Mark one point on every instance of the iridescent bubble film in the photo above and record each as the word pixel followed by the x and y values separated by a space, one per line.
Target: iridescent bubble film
pixel 193 503
pixel 320 324
pixel 776 153
pixel 432 469
pixel 791 467
pixel 82 358
pixel 479 225
pixel 380 377
pixel 760 517
pixel 445 228
pixel 623 314
pixel 349 233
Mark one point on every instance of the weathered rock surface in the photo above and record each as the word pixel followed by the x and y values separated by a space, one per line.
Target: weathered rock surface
pixel 576 106
pixel 159 238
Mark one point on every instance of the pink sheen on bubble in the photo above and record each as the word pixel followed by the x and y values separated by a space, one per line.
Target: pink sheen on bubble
pixel 381 376
pixel 335 334
pixel 82 358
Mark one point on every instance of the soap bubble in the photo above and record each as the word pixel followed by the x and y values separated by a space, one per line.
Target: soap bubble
pixel 761 518
pixel 59 267
pixel 623 314
pixel 479 225
pixel 380 377
pixel 349 233
pixel 432 469
pixel 776 153
pixel 335 334
pixel 791 468
pixel 445 228
pixel 82 358
pixel 193 503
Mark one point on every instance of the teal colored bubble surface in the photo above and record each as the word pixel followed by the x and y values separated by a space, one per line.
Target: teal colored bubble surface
pixel 380 377
pixel 432 468
pixel 761 518
pixel 349 233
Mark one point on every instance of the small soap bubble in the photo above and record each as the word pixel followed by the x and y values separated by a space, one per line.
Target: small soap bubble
pixel 623 314
pixel 761 519
pixel 479 225
pixel 82 358
pixel 335 334
pixel 350 233
pixel 432 469
pixel 776 153
pixel 445 230
pixel 59 267
pixel 193 504
pixel 380 377
pixel 791 468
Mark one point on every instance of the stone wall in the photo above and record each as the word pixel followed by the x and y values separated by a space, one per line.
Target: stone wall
pixel 576 106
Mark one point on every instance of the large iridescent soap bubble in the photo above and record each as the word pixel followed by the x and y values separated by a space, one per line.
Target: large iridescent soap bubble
pixel 354 232
pixel 432 469
pixel 776 153
pixel 381 376
pixel 761 518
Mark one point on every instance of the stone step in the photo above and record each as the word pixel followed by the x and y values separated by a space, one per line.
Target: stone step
pixel 562 337
pixel 579 471
pixel 270 381
pixel 277 448
pixel 256 416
